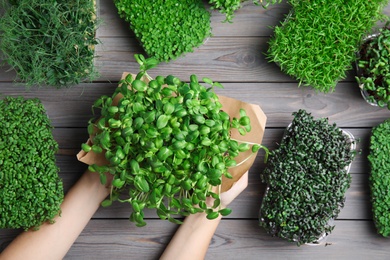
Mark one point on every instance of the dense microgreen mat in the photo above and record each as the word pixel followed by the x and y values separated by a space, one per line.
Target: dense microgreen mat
pixel 50 42
pixel 307 179
pixel 166 29
pixel 374 65
pixel 167 147
pixel 379 159
pixel 30 190
pixel 317 42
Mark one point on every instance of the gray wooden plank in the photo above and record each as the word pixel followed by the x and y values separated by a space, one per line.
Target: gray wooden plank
pixel 6 73
pixel 234 56
pixel 349 240
pixel 224 59
pixel 69 107
pixel 241 239
pixel 72 107
pixel 234 239
pixel 234 59
pixel 247 205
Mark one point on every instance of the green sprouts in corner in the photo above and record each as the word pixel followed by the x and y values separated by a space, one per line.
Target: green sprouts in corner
pixel 49 42
pixel 167 143
pixel 317 42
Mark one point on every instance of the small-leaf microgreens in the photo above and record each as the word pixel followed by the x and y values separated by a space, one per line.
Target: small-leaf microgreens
pixel 307 179
pixel 31 191
pixel 50 42
pixel 166 29
pixel 374 64
pixel 379 177
pixel 317 42
pixel 167 143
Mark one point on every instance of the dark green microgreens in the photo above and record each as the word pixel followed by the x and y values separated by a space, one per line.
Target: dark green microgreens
pixel 307 179
pixel 50 43
pixel 380 176
pixel 168 144
pixel 31 191
pixel 318 41
pixel 166 29
pixel 374 63
pixel 228 7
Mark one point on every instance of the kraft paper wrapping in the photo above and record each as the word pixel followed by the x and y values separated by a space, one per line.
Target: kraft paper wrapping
pixel 230 106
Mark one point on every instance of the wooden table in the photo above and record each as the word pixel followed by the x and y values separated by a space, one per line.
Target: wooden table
pixel 233 56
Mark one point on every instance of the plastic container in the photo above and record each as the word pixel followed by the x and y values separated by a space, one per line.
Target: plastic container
pixel 322 238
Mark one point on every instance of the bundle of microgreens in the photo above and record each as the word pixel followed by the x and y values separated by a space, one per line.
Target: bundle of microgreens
pixel 167 144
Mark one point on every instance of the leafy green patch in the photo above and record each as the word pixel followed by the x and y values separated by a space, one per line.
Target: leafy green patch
pixel 166 29
pixel 307 179
pixel 374 63
pixel 317 42
pixel 168 144
pixel 30 189
pixel 380 176
pixel 49 42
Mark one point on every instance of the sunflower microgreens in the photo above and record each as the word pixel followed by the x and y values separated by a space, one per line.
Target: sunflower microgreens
pixel 168 144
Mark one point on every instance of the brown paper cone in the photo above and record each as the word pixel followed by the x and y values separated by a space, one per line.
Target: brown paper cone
pixel 258 121
pixel 230 106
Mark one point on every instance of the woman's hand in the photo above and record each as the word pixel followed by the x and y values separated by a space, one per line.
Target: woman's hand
pixel 52 241
pixel 193 237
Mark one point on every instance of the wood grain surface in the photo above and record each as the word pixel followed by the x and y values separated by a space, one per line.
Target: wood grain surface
pixel 233 55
